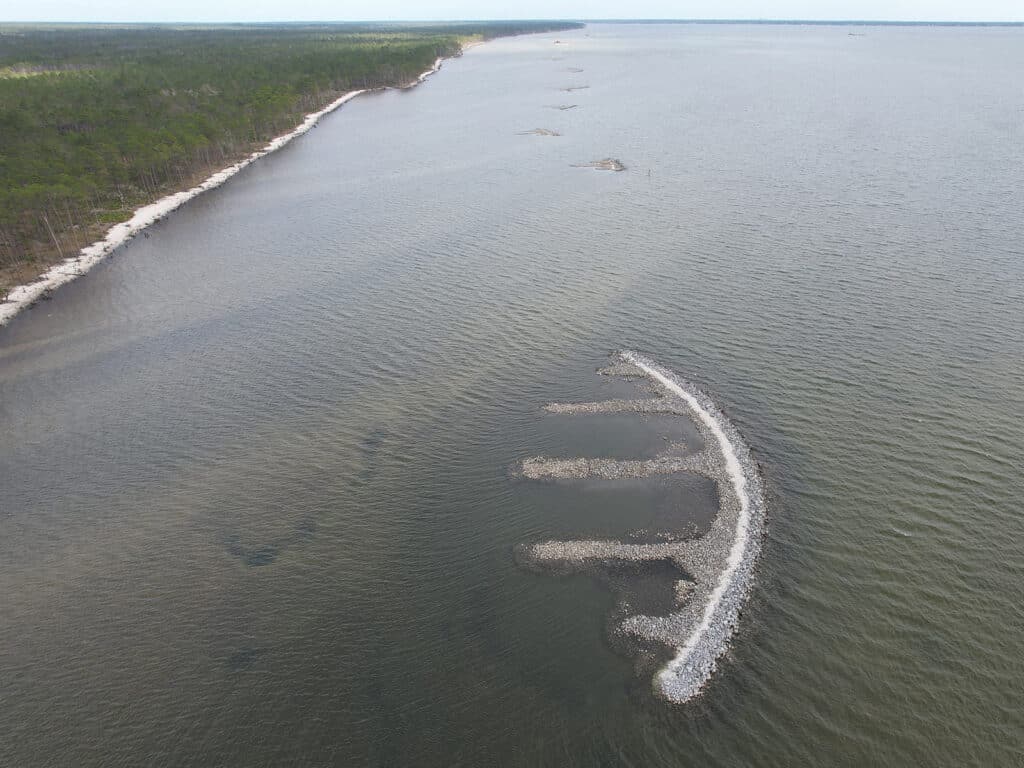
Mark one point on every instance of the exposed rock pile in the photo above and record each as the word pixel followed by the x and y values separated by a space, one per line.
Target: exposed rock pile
pixel 608 164
pixel 714 570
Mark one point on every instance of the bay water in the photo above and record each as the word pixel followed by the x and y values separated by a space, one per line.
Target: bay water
pixel 257 502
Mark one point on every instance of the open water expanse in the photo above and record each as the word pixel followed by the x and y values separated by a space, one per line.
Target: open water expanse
pixel 258 506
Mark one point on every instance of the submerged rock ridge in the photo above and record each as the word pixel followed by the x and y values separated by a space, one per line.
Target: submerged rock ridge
pixel 712 573
pixel 540 132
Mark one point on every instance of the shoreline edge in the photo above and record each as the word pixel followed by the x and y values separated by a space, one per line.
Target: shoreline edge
pixel 24 296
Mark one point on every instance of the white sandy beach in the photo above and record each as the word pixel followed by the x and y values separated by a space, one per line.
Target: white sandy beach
pixel 23 296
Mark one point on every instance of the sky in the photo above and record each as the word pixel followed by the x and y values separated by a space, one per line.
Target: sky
pixel 417 10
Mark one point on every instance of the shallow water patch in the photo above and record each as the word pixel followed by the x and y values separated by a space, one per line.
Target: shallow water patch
pixel 671 507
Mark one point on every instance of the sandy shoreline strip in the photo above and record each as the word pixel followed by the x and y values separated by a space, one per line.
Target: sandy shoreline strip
pixel 23 296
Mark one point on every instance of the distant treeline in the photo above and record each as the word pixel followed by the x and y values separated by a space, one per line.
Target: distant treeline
pixel 97 120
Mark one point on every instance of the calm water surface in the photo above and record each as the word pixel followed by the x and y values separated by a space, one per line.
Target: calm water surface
pixel 256 506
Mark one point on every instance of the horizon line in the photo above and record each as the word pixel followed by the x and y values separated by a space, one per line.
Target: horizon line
pixel 603 20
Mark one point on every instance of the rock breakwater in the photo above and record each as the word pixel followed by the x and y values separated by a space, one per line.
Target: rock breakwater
pixel 715 569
